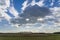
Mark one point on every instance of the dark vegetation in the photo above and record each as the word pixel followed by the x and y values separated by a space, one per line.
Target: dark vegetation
pixel 21 34
pixel 56 32
pixel 29 36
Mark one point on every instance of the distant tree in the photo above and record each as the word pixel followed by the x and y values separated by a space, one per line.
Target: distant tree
pixel 56 32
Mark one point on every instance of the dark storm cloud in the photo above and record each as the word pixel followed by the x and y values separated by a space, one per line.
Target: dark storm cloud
pixel 35 11
pixel 32 13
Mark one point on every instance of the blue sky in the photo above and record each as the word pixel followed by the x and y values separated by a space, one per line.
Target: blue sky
pixel 18 7
pixel 18 4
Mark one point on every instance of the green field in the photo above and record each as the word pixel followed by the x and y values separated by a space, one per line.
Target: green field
pixel 32 37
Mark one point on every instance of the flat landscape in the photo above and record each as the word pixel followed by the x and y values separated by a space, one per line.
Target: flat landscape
pixel 29 36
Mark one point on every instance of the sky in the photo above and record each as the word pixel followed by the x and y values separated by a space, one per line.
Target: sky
pixel 29 16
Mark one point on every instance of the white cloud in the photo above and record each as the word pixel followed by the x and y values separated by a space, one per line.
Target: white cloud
pixel 52 3
pixel 40 3
pixel 7 3
pixel 3 9
pixel 24 5
pixel 33 3
pixel 40 19
pixel 27 19
pixel 13 11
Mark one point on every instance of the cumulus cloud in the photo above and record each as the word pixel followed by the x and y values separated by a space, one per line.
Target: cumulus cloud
pixel 35 11
pixel 3 6
pixel 32 14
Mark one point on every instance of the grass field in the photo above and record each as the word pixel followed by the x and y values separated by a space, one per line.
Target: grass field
pixel 32 37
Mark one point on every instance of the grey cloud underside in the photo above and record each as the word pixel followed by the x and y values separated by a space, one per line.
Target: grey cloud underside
pixel 35 11
pixel 32 13
pixel 23 21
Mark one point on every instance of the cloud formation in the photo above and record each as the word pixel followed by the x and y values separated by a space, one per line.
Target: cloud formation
pixel 35 11
pixel 32 14
pixel 37 21
pixel 48 20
